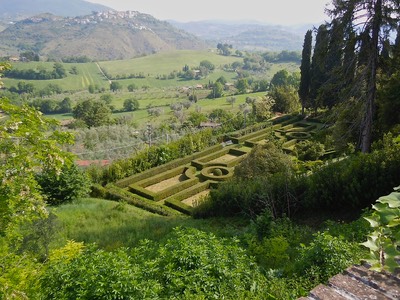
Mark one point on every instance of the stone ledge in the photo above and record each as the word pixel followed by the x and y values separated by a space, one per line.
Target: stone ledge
pixel 358 282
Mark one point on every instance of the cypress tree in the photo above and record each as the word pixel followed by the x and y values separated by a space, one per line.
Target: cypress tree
pixel 305 71
pixel 318 63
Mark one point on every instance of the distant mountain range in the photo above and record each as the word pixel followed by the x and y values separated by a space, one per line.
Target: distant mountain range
pixel 102 36
pixel 15 10
pixel 72 28
pixel 248 36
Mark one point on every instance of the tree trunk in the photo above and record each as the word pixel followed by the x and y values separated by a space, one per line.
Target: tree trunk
pixel 366 134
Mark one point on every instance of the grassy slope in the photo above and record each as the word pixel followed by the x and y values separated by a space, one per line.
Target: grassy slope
pixel 88 73
pixel 166 62
pixel 111 225
pixel 150 66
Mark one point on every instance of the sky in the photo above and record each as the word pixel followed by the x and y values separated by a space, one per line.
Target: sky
pixel 283 12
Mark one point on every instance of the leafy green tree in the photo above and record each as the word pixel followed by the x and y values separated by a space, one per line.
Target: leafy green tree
pixel 25 88
pixel 217 90
pixel 115 86
pixel 264 161
pixel 207 64
pixel 107 98
pixel 262 108
pixel 92 88
pixel 196 118
pixel 305 70
pixel 131 104
pixel 132 87
pixel 224 49
pixel 65 186
pixel 286 99
pixel 93 113
pixel 242 85
pixel 59 71
pixel 231 100
pixel 65 105
pixel 27 146
pixel 222 80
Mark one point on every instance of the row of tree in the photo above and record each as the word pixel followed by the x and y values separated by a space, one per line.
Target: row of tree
pixel 351 54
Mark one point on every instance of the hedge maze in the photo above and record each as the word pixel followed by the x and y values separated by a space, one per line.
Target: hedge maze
pixel 176 186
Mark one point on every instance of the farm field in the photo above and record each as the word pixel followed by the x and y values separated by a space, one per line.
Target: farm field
pixel 88 73
pixel 150 66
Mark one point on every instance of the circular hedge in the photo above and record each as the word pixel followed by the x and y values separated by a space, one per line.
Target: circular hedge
pixel 298 135
pixel 216 173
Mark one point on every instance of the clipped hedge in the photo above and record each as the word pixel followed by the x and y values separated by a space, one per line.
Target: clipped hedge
pixel 175 201
pixel 205 161
pixel 190 172
pixel 238 140
pixel 252 142
pixel 118 194
pixel 98 191
pixel 168 166
pixel 179 206
pixel 207 173
pixel 288 146
pixel 164 193
pixel 161 177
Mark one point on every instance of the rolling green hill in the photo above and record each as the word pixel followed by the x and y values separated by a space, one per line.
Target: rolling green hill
pixel 151 66
pixel 100 36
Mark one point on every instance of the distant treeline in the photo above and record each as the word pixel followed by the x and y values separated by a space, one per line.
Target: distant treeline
pixel 38 74
pixel 76 59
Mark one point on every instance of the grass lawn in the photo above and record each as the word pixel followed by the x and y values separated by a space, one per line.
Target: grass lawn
pixel 111 224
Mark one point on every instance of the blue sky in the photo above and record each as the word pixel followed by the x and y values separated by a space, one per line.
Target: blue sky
pixel 284 12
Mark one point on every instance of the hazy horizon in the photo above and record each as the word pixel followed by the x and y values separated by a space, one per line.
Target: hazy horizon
pixel 283 12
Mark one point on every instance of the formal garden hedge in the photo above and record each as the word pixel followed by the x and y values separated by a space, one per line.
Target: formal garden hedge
pixel 147 187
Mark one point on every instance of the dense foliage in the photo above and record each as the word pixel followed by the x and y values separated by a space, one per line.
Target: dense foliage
pixel 191 265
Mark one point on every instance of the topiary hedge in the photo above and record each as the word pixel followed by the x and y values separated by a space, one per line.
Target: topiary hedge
pixel 116 193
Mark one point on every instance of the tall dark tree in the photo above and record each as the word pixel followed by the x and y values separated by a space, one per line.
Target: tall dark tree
pixel 374 20
pixel 305 71
pixel 349 58
pixel 318 63
pixel 330 90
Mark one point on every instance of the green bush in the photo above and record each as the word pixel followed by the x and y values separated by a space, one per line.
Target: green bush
pixel 354 182
pixel 191 265
pixel 69 185
pixel 326 256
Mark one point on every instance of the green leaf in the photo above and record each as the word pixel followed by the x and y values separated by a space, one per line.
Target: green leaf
pixel 370 244
pixel 393 200
pixel 394 223
pixel 372 222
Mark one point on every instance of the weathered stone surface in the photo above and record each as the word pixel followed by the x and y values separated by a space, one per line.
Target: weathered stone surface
pixel 325 292
pixel 353 288
pixel 385 283
pixel 358 283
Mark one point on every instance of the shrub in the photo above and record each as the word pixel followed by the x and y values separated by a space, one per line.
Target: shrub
pixel 264 160
pixel 309 150
pixel 67 186
pixel 326 256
